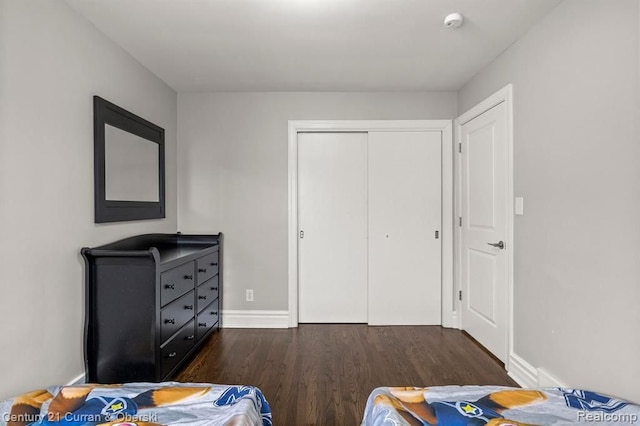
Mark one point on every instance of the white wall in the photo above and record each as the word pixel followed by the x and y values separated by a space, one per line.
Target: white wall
pixel 577 165
pixel 232 173
pixel 52 62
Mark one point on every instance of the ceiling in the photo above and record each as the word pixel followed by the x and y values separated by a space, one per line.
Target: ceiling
pixel 312 45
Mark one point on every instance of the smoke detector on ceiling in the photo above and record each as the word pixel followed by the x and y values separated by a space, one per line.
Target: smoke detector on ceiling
pixel 453 20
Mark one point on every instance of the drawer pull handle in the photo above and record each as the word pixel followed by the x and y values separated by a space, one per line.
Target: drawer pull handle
pixel 172 355
pixel 214 263
pixel 170 321
pixel 170 286
pixel 214 288
pixel 202 324
pixel 188 277
pixel 189 307
pixel 214 313
pixel 202 270
pixel 190 337
pixel 202 297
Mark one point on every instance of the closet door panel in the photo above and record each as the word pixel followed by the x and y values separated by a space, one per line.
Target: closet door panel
pixel 405 205
pixel 332 214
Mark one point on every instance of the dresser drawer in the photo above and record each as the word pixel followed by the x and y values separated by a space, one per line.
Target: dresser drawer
pixel 176 314
pixel 207 267
pixel 207 293
pixel 176 282
pixel 207 319
pixel 175 350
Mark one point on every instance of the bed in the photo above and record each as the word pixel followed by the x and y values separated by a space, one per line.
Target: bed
pixel 494 405
pixel 139 404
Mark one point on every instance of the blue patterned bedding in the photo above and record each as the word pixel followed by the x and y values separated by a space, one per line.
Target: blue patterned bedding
pixel 139 404
pixel 494 405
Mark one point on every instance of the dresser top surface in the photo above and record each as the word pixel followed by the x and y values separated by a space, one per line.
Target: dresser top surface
pixel 172 252
pixel 168 246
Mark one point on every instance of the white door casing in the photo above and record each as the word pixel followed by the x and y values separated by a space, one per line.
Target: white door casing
pixel 445 128
pixel 332 194
pixel 405 196
pixel 486 214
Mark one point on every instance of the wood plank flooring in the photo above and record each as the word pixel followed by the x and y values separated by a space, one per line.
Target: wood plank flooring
pixel 321 374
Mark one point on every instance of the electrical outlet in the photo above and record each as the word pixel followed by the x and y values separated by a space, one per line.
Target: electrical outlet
pixel 249 295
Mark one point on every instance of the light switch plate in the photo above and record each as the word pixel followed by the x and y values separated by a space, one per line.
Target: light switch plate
pixel 520 206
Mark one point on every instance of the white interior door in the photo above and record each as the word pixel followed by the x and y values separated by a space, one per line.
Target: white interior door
pixel 332 218
pixel 405 205
pixel 484 260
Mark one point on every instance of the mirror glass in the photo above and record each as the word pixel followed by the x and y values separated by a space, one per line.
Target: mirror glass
pixel 131 167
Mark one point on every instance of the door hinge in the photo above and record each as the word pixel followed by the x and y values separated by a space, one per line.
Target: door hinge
pixel 460 221
pixel 437 234
pixel 460 147
pixel 301 234
pixel 460 295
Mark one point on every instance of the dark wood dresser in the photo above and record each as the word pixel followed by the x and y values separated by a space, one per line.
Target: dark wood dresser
pixel 151 301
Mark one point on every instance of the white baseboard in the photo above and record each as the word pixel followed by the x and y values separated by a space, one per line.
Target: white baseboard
pixel 450 320
pixel 255 319
pixel 527 376
pixel 77 381
pixel 522 372
pixel 546 380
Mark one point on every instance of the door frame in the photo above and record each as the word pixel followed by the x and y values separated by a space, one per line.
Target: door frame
pixel 443 126
pixel 504 95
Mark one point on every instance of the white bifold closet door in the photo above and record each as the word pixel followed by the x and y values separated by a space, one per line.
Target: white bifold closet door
pixel 369 207
pixel 332 214
pixel 405 199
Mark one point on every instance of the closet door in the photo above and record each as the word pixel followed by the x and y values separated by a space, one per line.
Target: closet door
pixel 405 206
pixel 332 218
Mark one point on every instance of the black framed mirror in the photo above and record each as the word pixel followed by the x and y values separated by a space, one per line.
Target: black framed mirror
pixel 128 165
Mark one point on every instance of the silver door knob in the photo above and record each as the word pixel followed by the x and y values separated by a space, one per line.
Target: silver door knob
pixel 499 244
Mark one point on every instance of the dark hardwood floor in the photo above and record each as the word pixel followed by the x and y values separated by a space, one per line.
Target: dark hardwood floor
pixel 321 374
